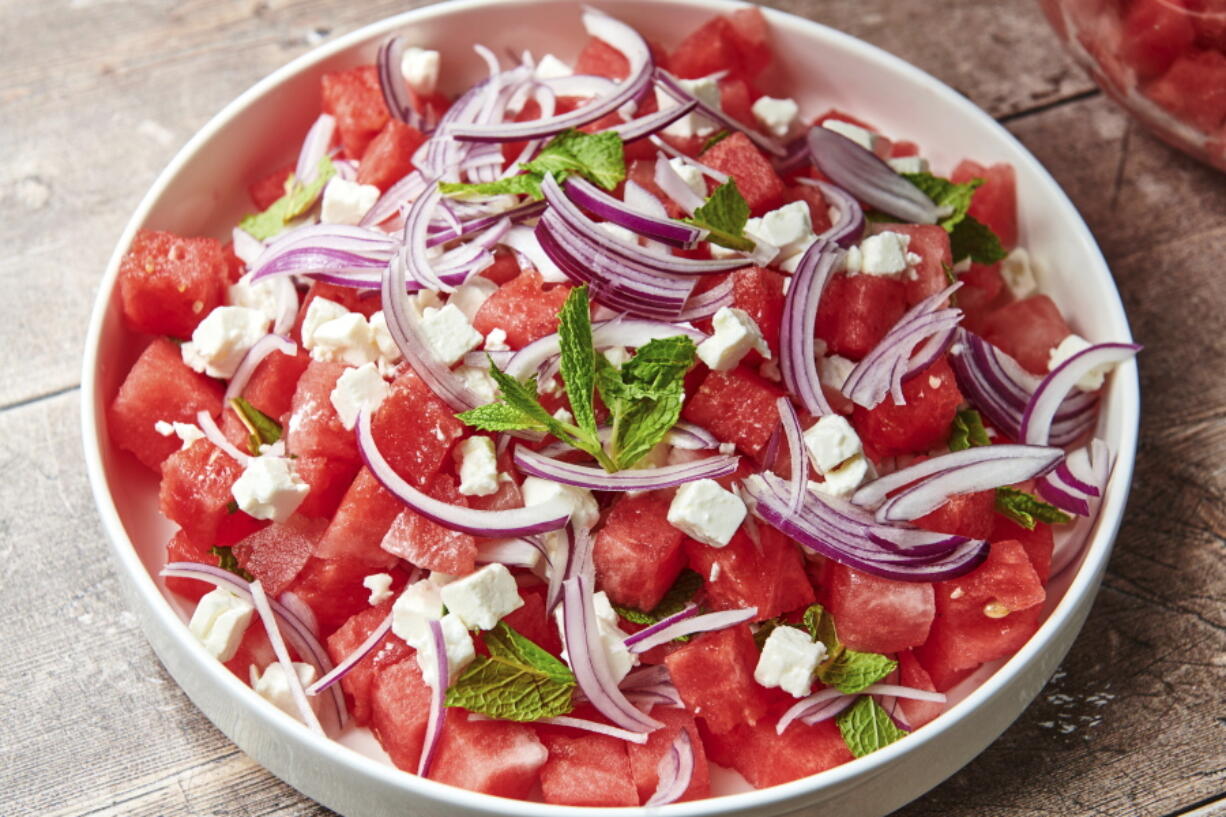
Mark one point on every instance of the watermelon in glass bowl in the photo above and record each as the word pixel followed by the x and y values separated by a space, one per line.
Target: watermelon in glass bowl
pixel 204 193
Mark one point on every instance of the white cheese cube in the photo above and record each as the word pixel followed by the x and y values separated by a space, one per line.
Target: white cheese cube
pixel 360 389
pixel 706 90
pixel 261 296
pixel 345 202
pixel 480 382
pixel 1091 380
pixel 474 292
pixel 496 340
pixel 790 228
pixel 736 334
pixel 270 488
pixel 346 339
pixel 381 337
pixel 908 164
pixel 704 511
pixel 691 175
pixel 449 333
pixel 833 371
pixel 852 260
pixel 776 116
pixel 584 510
pixel 274 685
pixel 319 312
pixel 482 598
pixel 789 659
pixel 187 432
pixel 619 657
pixel 478 467
pixel 550 67
pixel 844 480
pixel 380 587
pixel 884 253
pixel 219 621
pixel 457 643
pixel 223 338
pixel 416 605
pixel 831 441
pixel 862 137
pixel 1018 274
pixel 419 67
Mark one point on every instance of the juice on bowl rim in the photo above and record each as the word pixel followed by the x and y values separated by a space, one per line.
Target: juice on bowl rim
pixel 729 403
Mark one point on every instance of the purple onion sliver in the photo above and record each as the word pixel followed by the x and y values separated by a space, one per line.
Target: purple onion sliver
pixel 849 226
pixel 1055 388
pixel 596 727
pixel 652 123
pixel 260 599
pixel 602 205
pixel 675 771
pixel 682 614
pixel 868 178
pixel 806 706
pixel 438 701
pixel 797 347
pixel 796 449
pixel 633 479
pixel 214 435
pixel 708 622
pixel 353 659
pixel 926 496
pixel 314 148
pixel 262 348
pixel 1050 490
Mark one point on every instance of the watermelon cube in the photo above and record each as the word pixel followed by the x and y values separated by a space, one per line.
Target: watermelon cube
pixel 766 759
pixel 159 386
pixel 526 308
pixel 388 157
pixel 749 32
pixel 769 575
pixel 759 292
pixel 492 757
pixel 921 424
pixel 277 553
pixel 415 429
pixel 995 202
pixel 736 99
pixel 504 268
pixel 399 709
pixel 1039 543
pixel 1194 89
pixel 645 758
pixel 931 243
pixel 856 311
pixel 195 490
pixel 1027 330
pixel 755 176
pixel 714 674
pixel 911 673
pixel 360 523
pixel 313 427
pixel 182 549
pixel 737 406
pixel 359 682
pixel 427 544
pixel 600 59
pixel 333 589
pixel 586 770
pixel 272 384
pixel 972 515
pixel 354 97
pixel 1155 33
pixel 879 615
pixel 709 48
pixel 329 480
pixel 533 623
pixel 983 290
pixel 168 284
pixel 638 554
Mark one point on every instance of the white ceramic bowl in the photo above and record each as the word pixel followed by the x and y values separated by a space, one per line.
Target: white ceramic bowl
pixel 202 193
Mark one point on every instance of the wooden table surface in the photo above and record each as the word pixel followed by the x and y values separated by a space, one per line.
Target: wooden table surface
pixel 97 95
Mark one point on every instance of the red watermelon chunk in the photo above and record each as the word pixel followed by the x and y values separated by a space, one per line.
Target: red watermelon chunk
pixel 972 515
pixel 313 427
pixel 737 406
pixel 429 545
pixel 267 189
pixel 359 682
pixel 709 48
pixel 272 384
pixel 504 268
pixel 873 614
pixel 856 311
pixel 714 674
pixel 638 553
pixel 770 575
pixel 182 549
pixel 931 243
pixel 277 553
pixel 645 758
pixel 1038 543
pixel 754 175
pixel 766 759
pixel 749 32
pixel 159 386
pixel 533 623
pixel 1027 330
pixel 388 158
pixel 983 290
pixel 1155 33
pixel 759 292
pixel 736 99
pixel 415 429
pixel 920 425
pixel 399 709
pixel 912 674
pixel 168 284
pixel 526 308
pixel 360 523
pixel 329 479
pixel 995 202
pixel 333 589
pixel 587 770
pixel 354 97
pixel 195 490
pixel 603 60
pixel 492 757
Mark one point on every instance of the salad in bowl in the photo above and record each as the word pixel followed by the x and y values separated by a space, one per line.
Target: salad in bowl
pixel 610 432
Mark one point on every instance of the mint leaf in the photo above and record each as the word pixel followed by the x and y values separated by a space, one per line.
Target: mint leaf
pixel 578 360
pixel 525 184
pixel 519 681
pixel 261 429
pixel 975 240
pixel 226 560
pixel 866 727
pixel 766 628
pixel 968 237
pixel 297 200
pixel 654 382
pixel 967 431
pixel 724 216
pixel 499 417
pixel 848 670
pixel 1027 510
pixel 686 586
pixel 232 506
pixel 715 140
pixel 598 157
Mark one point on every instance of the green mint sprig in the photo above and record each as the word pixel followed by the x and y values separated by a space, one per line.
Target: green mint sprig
pixel 519 681
pixel 598 157
pixel 261 429
pixel 724 216
pixel 1028 510
pixel 968 237
pixel 866 727
pixel 297 200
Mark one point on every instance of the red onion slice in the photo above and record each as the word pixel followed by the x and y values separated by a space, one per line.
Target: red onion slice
pixel 597 727
pixel 260 599
pixel 691 437
pixel 1054 389
pixel 865 176
pixel 651 124
pixel 437 718
pixel 675 771
pixel 797 346
pixel 353 659
pixel 1066 498
pixel 247 247
pixel 796 451
pixel 849 226
pixel 828 711
pixel 490 524
pixel 264 347
pixel 707 303
pixel 395 94
pixel 806 706
pixel 672 86
pixel 670 181
pixel 630 641
pixel 602 205
pixel 214 435
pixel 874 493
pixel 314 148
pixel 678 626
pixel 394 198
pixel 633 479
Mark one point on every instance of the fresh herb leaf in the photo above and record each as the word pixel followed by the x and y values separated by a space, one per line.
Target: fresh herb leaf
pixel 654 383
pixel 598 157
pixel 975 240
pixel 967 431
pixel 261 429
pixel 715 140
pixel 1028 510
pixel 968 237
pixel 525 184
pixel 724 215
pixel 499 417
pixel 766 628
pixel 951 277
pixel 848 670
pixel 226 560
pixel 866 727
pixel 682 592
pixel 232 506
pixel 297 200
pixel 578 359
pixel 519 681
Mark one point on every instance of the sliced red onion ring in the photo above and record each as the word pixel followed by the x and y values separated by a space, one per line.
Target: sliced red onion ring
pixel 630 641
pixel 525 242
pixel 797 347
pixel 849 226
pixel 1047 399
pixel 705 304
pixel 394 198
pixel 437 718
pixel 260 599
pixel 586 654
pixel 670 181
pixel 1051 489
pixel 652 123
pixel 263 347
pixel 828 711
pixel 1079 480
pixel 490 524
pixel 314 148
pixel 690 437
pixel 798 157
pixel 633 479
pixel 602 205
pixel 302 611
pixel 580 85
pixel 796 451
pixel 865 176
pixel 808 705
pixel 672 86
pixel 353 659
pixel 214 435
pixel 597 727
pixel 391 83
pixel 677 626
pixel 516 552
pixel 675 770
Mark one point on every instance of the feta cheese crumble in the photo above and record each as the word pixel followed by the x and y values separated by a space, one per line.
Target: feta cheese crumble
pixel 482 598
pixel 776 116
pixel 380 587
pixel 861 136
pixel 219 621
pixel 788 661
pixel 356 390
pixel 345 202
pixel 449 334
pixel 790 228
pixel 704 511
pixel 187 432
pixel 584 510
pixel 420 67
pixel 1073 344
pixel 223 338
pixel 885 254
pixel 478 466
pixel 830 442
pixel 270 488
pixel 612 638
pixel 274 685
pixel 1019 274
pixel 706 90
pixel 736 334
pixel 691 175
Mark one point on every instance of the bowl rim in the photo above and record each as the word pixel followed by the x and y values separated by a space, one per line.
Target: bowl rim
pixel 1095 551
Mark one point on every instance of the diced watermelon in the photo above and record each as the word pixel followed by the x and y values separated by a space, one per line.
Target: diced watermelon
pixel 159 386
pixel 769 575
pixel 603 60
pixel 526 308
pixel 388 158
pixel 983 290
pixel 277 553
pixel 415 429
pixel 399 709
pixel 711 47
pixel 819 208
pixel 1210 23
pixel 267 189
pixel 492 757
pixel 195 490
pixel 1027 330
pixel 931 243
pixel 313 427
pixel 912 674
pixel 856 311
pixel 714 674
pixel 353 96
pixel 750 33
pixel 168 284
pixel 254 650
pixel 971 515
pixel 333 589
pixel 736 99
pixel 1194 89
pixel 995 203
pixel 645 758
pixel 638 554
pixel 359 682
pixel 1038 543
pixel 766 759
pixel 1155 33
pixel 903 149
pixel 737 406
pixel 759 292
pixel 873 614
pixel 533 623
pixel 587 770
pixel 271 387
pixel 360 523
pixel 427 544
pixel 923 423
pixel 755 177
pixel 504 268
pixel 182 549
pixel 329 480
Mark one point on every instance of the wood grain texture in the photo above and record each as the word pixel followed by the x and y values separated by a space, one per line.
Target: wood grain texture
pixel 95 97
